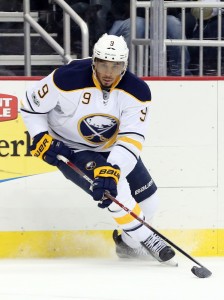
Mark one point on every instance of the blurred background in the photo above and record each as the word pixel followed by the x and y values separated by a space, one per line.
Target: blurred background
pixel 166 38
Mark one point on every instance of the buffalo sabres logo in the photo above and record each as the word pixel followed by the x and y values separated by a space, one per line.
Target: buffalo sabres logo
pixel 98 128
pixel 90 165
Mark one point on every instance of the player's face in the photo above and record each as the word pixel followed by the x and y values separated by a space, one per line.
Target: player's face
pixel 108 71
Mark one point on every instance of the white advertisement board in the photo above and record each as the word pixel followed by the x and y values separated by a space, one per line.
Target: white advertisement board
pixel 43 214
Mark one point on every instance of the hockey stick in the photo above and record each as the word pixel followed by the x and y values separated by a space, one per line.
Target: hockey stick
pixel 201 272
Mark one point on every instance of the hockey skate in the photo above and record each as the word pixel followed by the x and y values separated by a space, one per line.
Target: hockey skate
pixel 124 251
pixel 158 248
pixel 152 249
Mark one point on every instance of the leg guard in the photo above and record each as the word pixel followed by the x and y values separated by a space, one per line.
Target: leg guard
pixel 141 183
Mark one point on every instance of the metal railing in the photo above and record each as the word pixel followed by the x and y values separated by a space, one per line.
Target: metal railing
pixel 139 58
pixel 149 50
pixel 30 19
pixel 65 52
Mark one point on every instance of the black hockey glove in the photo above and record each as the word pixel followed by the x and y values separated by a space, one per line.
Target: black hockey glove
pixel 47 148
pixel 106 179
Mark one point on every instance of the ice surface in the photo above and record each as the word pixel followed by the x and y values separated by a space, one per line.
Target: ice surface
pixel 108 279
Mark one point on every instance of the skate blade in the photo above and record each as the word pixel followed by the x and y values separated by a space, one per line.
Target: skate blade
pixel 170 263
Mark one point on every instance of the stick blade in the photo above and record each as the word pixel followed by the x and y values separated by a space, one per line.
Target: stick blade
pixel 201 272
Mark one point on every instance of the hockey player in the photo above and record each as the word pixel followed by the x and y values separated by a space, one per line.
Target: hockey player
pixel 95 113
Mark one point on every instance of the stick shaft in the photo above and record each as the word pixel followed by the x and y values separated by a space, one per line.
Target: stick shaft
pixel 84 176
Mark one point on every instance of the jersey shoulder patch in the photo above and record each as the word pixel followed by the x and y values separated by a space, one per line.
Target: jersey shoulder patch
pixel 76 75
pixel 135 86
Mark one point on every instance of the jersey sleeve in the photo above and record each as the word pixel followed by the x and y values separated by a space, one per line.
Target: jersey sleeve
pixel 134 124
pixel 39 100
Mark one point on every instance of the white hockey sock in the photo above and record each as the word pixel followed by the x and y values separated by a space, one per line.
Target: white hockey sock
pixel 148 206
pixel 129 240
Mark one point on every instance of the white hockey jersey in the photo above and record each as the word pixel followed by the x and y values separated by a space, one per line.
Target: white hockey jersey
pixel 71 106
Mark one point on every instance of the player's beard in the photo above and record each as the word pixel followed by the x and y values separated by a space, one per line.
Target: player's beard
pixel 106 82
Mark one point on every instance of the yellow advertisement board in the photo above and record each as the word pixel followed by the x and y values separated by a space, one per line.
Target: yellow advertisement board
pixel 15 158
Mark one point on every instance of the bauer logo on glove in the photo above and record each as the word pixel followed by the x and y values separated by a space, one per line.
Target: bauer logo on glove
pixel 47 148
pixel 42 146
pixel 108 171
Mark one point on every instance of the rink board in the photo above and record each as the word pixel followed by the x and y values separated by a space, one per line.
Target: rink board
pixel 92 243
pixel 44 215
